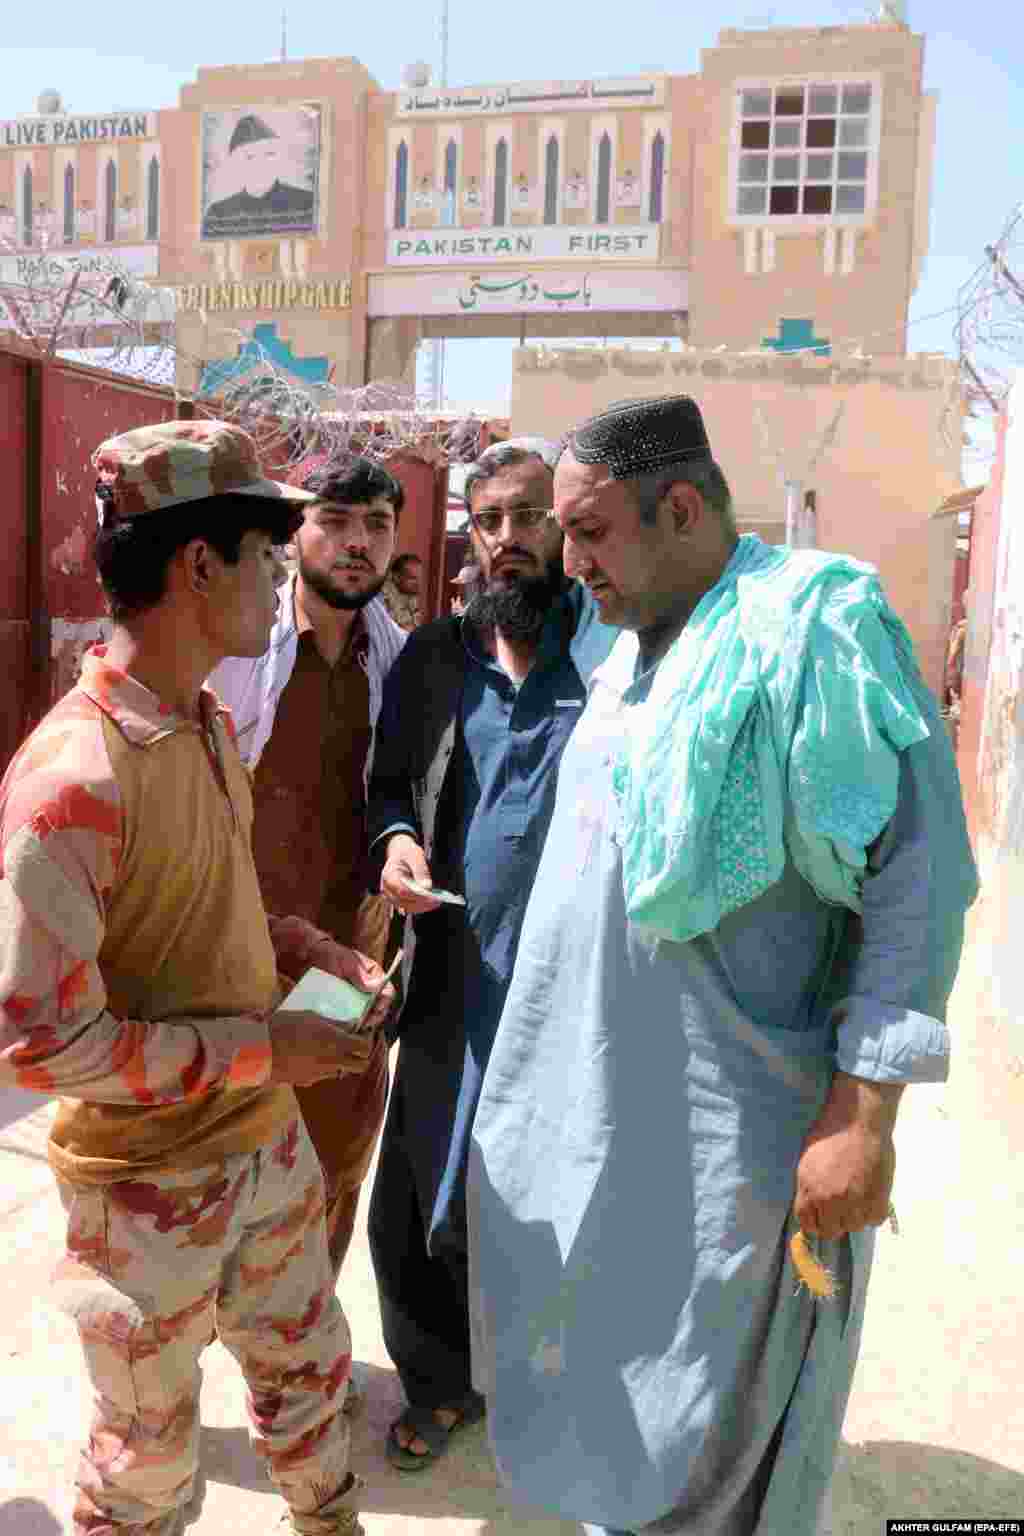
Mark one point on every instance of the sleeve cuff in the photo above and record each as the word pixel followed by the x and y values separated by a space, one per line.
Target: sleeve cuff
pixel 887 1044
pixel 294 940
pixel 397 826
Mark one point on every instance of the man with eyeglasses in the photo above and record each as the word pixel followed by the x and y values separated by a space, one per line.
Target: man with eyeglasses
pixel 476 713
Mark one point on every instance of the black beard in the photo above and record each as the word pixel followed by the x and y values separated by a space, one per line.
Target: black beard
pixel 334 599
pixel 518 608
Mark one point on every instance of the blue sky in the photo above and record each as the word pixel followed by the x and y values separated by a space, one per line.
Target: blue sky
pixel 107 56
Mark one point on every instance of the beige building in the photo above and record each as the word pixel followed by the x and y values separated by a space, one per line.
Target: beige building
pixel 79 191
pixel 874 444
pixel 769 212
pixel 778 198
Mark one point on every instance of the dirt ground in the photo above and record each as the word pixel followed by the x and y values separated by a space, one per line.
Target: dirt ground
pixel 935 1426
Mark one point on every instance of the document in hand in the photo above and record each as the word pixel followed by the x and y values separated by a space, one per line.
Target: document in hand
pixel 320 992
pixel 333 998
pixel 448 897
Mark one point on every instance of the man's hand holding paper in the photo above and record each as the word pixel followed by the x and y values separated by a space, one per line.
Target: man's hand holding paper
pixel 327 1024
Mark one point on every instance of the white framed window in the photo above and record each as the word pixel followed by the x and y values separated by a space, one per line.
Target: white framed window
pixel 805 151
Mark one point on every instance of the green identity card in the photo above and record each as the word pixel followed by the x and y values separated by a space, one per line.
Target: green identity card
pixel 320 992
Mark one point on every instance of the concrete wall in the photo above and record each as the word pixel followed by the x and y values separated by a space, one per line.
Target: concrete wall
pixel 982 581
pixel 996 769
pixel 894 459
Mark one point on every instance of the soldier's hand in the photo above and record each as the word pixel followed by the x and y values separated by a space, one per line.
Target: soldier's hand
pixel 306 1047
pixel 407 861
pixel 353 966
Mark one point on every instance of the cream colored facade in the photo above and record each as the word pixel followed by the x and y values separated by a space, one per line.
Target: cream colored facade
pixel 79 190
pixel 877 441
pixel 778 197
pixel 770 212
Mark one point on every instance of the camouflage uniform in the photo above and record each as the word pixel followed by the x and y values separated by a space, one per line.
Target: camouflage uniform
pixel 137 973
pixel 403 609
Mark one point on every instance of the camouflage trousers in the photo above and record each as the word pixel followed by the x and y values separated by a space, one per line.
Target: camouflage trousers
pixel 155 1268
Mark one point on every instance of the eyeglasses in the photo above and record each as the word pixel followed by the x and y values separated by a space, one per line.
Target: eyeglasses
pixel 489 523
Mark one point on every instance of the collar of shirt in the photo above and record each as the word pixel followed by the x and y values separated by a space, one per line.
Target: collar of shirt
pixel 358 642
pixel 138 713
pixel 623 673
pixel 554 637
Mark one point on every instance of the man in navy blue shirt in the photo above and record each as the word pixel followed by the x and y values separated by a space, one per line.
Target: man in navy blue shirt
pixel 475 716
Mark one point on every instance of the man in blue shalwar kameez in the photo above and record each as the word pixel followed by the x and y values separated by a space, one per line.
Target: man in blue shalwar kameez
pixel 745 926
pixel 475 716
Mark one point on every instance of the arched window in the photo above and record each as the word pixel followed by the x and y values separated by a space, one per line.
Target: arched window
pixel 26 207
pixel 451 169
pixel 401 185
pixel 153 199
pixel 110 203
pixel 500 182
pixel 551 181
pixel 655 196
pixel 604 179
pixel 69 205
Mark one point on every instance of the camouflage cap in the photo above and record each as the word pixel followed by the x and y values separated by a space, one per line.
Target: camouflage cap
pixel 174 462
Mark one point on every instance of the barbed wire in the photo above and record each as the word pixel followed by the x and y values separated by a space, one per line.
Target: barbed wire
pixel 989 330
pixel 100 308
pixel 53 306
pixel 97 312
pixel 296 423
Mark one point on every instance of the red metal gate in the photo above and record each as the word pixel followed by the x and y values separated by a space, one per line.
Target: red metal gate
pixel 52 416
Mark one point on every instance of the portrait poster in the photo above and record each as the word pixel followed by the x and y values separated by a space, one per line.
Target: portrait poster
pixel 261 172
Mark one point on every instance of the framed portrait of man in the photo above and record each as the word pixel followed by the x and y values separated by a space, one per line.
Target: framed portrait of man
pixel 261 172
